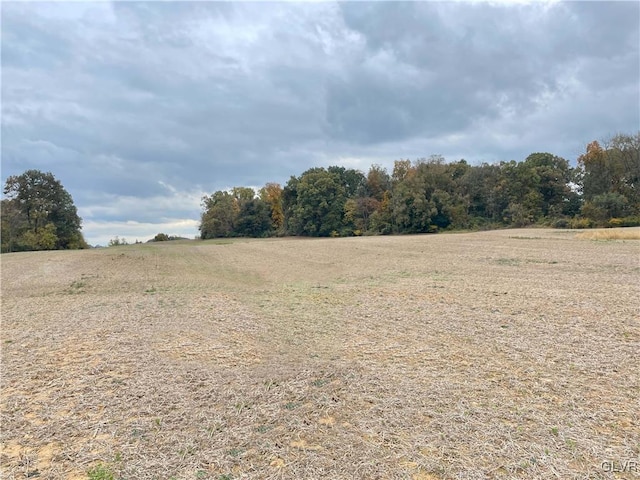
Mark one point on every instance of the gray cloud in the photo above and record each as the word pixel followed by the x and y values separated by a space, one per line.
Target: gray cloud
pixel 140 108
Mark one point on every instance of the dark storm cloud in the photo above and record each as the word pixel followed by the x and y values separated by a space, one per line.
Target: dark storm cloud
pixel 432 68
pixel 140 108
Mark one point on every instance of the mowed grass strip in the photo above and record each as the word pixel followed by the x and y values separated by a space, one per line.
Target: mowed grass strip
pixel 506 354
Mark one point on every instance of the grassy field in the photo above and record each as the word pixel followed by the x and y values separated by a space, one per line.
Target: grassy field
pixel 505 354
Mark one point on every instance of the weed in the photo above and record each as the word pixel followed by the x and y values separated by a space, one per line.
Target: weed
pixel 100 472
pixel 235 452
pixel 291 405
pixel 76 286
pixel 242 406
pixel 151 290
pixel 269 384
pixel 184 452
pixel 213 430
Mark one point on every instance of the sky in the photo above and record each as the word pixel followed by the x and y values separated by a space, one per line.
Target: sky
pixel 140 109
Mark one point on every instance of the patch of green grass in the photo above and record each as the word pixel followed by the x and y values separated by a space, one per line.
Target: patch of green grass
pixel 77 286
pixel 513 262
pixel 100 472
pixel 548 262
pixel 235 452
pixel 291 406
pixel 219 242
pixel 151 291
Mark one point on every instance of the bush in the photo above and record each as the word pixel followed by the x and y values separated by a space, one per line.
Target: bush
pixel 581 223
pixel 161 237
pixel 615 222
pixel 561 223
pixel 629 221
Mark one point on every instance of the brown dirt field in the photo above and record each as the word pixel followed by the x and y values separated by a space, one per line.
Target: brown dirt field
pixel 505 354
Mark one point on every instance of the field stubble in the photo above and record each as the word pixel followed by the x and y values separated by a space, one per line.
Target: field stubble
pixel 507 354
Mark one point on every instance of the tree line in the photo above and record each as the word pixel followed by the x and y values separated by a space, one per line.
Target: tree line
pixel 431 195
pixel 421 196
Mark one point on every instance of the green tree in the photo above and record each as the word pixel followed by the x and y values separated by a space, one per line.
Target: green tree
pixel 549 176
pixel 14 225
pixel 605 207
pixel 377 183
pixel 118 242
pixel 40 214
pixel 254 219
pixel 623 154
pixel 477 185
pixel 319 203
pixel 219 215
pixel 351 180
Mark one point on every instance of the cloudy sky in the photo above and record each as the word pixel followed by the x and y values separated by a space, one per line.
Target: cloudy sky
pixel 141 108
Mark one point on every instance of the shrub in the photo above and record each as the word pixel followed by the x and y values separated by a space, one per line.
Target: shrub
pixel 581 223
pixel 629 222
pixel 561 223
pixel 615 222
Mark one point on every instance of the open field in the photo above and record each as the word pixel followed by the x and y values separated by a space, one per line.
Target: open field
pixel 505 354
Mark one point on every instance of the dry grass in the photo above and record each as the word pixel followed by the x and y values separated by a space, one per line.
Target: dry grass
pixel 510 354
pixel 632 233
